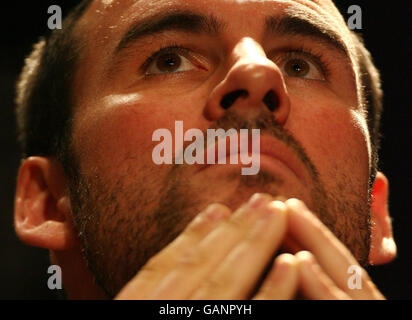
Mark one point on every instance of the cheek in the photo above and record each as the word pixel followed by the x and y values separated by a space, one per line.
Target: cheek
pixel 338 140
pixel 118 133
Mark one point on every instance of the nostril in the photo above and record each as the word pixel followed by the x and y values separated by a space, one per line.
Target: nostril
pixel 271 100
pixel 231 97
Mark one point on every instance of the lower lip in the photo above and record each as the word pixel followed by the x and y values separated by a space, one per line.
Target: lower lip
pixel 267 163
pixel 276 166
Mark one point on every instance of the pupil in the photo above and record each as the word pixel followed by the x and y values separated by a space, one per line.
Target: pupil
pixel 297 68
pixel 169 62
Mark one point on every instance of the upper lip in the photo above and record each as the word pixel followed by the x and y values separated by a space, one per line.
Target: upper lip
pixel 276 149
pixel 269 146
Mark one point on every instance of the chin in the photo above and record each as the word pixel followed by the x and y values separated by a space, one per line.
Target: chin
pixel 233 190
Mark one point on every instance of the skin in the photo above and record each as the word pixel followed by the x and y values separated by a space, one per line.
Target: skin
pixel 130 210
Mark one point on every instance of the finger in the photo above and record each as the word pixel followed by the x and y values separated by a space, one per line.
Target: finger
pixel 282 280
pixel 239 272
pixel 196 265
pixel 154 270
pixel 314 283
pixel 334 258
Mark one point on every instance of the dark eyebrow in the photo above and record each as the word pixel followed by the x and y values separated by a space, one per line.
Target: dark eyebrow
pixel 186 21
pixel 297 26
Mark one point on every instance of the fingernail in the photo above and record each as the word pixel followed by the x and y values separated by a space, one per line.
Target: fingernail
pixel 306 257
pixel 213 212
pixel 258 200
pixel 297 204
pixel 273 207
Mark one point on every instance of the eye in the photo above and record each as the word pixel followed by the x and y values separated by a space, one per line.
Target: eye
pixel 167 61
pixel 299 67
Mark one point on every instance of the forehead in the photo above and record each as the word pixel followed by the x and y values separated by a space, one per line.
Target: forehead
pixel 113 4
pixel 106 18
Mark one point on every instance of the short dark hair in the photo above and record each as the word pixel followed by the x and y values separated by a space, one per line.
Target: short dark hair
pixel 44 96
pixel 44 90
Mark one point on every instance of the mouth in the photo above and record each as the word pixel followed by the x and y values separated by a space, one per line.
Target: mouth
pixel 272 155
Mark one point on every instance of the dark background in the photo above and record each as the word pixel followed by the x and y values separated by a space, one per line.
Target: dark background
pixel 386 29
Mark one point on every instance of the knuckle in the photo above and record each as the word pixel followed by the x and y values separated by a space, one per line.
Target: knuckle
pixel 195 230
pixel 211 286
pixel 236 223
pixel 208 217
pixel 192 259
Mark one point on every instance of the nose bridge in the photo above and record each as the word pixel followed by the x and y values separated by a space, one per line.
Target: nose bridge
pixel 248 51
pixel 253 81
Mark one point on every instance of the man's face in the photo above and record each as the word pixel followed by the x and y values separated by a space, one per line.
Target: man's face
pixel 127 208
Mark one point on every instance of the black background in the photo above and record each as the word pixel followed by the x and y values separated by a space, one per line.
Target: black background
pixel 386 29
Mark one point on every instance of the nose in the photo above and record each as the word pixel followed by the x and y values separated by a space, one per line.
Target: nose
pixel 253 82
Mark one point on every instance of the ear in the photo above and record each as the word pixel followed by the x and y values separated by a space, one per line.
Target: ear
pixel 42 213
pixel 383 247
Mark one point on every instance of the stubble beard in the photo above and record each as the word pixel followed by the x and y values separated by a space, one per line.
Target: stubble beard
pixel 119 235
